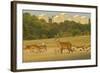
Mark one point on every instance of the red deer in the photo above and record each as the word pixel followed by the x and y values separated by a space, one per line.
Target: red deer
pixel 65 45
pixel 83 47
pixel 39 48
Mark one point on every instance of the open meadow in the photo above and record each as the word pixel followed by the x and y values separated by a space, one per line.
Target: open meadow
pixel 80 49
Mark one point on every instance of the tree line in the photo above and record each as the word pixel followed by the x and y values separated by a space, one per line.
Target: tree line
pixel 33 28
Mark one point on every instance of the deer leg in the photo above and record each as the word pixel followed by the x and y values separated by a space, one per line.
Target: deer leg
pixel 45 49
pixel 61 51
pixel 69 51
pixel 39 50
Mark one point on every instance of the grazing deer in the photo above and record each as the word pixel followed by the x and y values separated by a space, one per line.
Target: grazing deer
pixel 43 46
pixel 65 45
pixel 31 47
pixel 39 48
pixel 28 48
pixel 88 47
pixel 83 48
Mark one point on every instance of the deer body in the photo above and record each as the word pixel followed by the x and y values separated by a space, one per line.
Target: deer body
pixel 36 47
pixel 65 45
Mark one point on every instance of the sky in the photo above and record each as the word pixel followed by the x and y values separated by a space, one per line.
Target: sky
pixel 53 13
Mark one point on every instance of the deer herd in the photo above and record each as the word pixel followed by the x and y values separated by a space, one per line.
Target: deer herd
pixel 61 46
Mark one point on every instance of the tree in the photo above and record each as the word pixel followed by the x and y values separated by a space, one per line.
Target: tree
pixel 34 28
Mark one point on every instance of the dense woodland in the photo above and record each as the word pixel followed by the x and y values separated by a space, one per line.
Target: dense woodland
pixel 33 28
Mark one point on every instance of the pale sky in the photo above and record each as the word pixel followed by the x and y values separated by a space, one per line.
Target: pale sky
pixel 53 13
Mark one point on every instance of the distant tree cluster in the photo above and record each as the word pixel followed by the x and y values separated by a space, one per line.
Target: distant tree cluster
pixel 33 28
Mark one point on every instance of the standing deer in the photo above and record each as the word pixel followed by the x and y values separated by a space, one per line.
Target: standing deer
pixel 65 45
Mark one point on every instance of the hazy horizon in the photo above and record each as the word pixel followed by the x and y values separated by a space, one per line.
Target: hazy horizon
pixel 54 13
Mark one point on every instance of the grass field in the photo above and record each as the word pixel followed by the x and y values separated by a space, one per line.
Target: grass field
pixel 53 54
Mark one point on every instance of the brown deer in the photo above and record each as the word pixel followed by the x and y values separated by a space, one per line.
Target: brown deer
pixel 65 45
pixel 83 47
pixel 39 48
